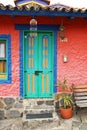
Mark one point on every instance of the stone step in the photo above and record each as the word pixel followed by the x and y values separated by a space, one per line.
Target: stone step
pixel 38 109
pixel 34 111
pixel 35 124
pixel 39 115
pixel 38 106
pixel 38 102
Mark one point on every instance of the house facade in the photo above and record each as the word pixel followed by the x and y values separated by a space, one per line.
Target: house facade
pixel 31 61
pixel 31 65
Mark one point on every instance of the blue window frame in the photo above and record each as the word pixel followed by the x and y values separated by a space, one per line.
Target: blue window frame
pixel 5 59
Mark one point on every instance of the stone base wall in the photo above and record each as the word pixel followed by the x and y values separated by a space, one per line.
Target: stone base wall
pixel 13 113
pixel 11 108
pixel 17 107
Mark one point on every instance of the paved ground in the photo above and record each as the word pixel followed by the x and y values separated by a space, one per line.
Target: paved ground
pixel 77 122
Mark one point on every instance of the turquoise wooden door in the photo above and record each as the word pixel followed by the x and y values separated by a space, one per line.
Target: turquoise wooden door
pixel 38 65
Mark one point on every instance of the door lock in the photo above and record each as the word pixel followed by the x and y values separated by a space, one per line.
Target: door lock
pixel 37 72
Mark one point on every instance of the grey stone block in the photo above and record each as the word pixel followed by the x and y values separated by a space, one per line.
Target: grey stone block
pixel 8 107
pixel 16 127
pixel 49 102
pixel 5 129
pixel 83 127
pixel 75 128
pixel 1 114
pixel 33 124
pixel 9 101
pixel 76 123
pixel 20 100
pixel 25 124
pixel 40 102
pixel 18 105
pixel 13 114
pixel 57 104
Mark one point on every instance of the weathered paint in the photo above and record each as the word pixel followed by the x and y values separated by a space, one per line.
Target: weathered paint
pixel 75 70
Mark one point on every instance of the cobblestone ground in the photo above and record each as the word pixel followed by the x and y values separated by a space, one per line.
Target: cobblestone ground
pixel 77 122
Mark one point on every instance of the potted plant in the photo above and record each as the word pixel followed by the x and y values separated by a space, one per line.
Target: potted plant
pixel 66 99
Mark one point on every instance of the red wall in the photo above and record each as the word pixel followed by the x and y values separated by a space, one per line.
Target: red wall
pixel 7 27
pixel 75 70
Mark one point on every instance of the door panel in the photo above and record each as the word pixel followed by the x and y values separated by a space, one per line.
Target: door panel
pixel 31 85
pixel 31 79
pixel 38 67
pixel 45 65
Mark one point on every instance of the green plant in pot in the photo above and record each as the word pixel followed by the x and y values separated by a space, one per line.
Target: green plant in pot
pixel 66 99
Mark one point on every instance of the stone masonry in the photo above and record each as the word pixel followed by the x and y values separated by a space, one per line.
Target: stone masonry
pixel 11 108
pixel 13 115
pixel 13 112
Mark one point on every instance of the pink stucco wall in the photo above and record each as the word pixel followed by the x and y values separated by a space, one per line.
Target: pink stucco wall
pixel 7 27
pixel 75 70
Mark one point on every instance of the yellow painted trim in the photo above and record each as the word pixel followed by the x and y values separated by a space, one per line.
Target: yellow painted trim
pixel 31 52
pixel 33 83
pixel 28 83
pixel 45 52
pixel 43 63
pixel 29 62
pixel 46 62
pixel 46 42
pixel 42 83
pixel 32 42
pixel 47 83
pixel 3 76
pixel 32 63
pixel 32 2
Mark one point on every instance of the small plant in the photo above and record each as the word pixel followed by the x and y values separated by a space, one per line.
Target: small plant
pixel 65 93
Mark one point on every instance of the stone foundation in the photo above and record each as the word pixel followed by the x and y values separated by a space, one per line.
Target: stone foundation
pixel 11 108
pixel 13 113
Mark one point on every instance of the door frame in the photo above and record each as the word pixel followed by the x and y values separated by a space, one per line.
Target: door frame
pixel 24 27
pixel 38 93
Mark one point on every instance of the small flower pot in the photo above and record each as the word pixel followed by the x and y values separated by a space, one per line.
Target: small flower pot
pixel 66 113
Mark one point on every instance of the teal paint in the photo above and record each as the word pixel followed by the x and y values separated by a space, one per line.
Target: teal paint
pixel 38 70
pixel 43 27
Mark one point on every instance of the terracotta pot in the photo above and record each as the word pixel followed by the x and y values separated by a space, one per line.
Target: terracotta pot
pixel 66 113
